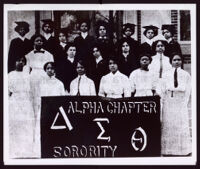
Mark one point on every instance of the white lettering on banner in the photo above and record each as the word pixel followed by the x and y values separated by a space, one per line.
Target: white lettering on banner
pixel 66 119
pixel 84 151
pixel 142 139
pixel 98 121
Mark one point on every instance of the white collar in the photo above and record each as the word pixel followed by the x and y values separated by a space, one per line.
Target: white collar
pixel 50 78
pixel 99 59
pixel 82 76
pixel 63 44
pixel 47 35
pixel 169 40
pixel 84 34
pixel 125 54
pixel 70 59
pixel 117 73
pixel 22 38
pixel 149 41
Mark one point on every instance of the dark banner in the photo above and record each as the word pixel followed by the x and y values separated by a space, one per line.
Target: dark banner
pixel 88 127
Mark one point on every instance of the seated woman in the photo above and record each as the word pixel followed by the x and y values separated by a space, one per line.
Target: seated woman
pixel 115 84
pixel 142 80
pixel 21 114
pixel 176 139
pixel 82 85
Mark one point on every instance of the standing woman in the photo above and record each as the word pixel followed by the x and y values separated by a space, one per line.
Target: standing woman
pixel 115 84
pixel 128 30
pixel 142 80
pixel 49 39
pixel 66 71
pixel 175 136
pixel 103 40
pixel 160 63
pixel 19 46
pixel 82 85
pixel 150 33
pixel 21 114
pixel 128 61
pixel 172 46
pixel 49 86
pixel 60 47
pixel 35 62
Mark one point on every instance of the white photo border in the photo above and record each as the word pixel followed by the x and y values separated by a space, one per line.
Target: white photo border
pixel 103 161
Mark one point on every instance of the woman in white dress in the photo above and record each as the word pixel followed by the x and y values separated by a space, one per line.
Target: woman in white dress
pixel 160 63
pixel 175 136
pixel 35 62
pixel 142 81
pixel 115 84
pixel 49 86
pixel 21 114
pixel 82 85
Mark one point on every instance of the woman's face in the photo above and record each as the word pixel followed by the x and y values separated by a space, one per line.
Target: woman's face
pixel 84 27
pixel 150 34
pixel 50 70
pixel 128 32
pixel 167 34
pixel 160 48
pixel 80 69
pixel 71 52
pixel 102 31
pixel 47 28
pixel 144 62
pixel 22 31
pixel 96 52
pixel 38 42
pixel 20 64
pixel 113 67
pixel 176 61
pixel 62 37
pixel 125 47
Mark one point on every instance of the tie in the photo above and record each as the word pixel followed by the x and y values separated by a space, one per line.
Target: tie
pixel 161 67
pixel 38 51
pixel 79 80
pixel 175 78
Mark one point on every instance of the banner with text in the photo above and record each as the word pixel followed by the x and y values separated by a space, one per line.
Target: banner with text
pixel 89 127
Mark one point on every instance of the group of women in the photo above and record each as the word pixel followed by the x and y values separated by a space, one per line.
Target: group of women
pixel 46 66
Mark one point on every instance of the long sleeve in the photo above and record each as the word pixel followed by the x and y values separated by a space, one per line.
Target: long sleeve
pixel 92 89
pixel 101 88
pixel 127 87
pixel 132 82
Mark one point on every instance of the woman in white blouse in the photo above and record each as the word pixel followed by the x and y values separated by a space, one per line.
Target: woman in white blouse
pixel 142 80
pixel 115 84
pixel 82 85
pixel 160 63
pixel 49 86
pixel 175 136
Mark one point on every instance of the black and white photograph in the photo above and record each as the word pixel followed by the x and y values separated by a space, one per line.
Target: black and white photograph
pixel 99 84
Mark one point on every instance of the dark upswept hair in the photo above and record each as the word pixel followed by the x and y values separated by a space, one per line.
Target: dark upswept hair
pixel 81 62
pixel 155 44
pixel 87 21
pixel 174 54
pixel 145 54
pixel 119 45
pixel 51 63
pixel 113 58
pixel 70 44
pixel 102 23
pixel 36 36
